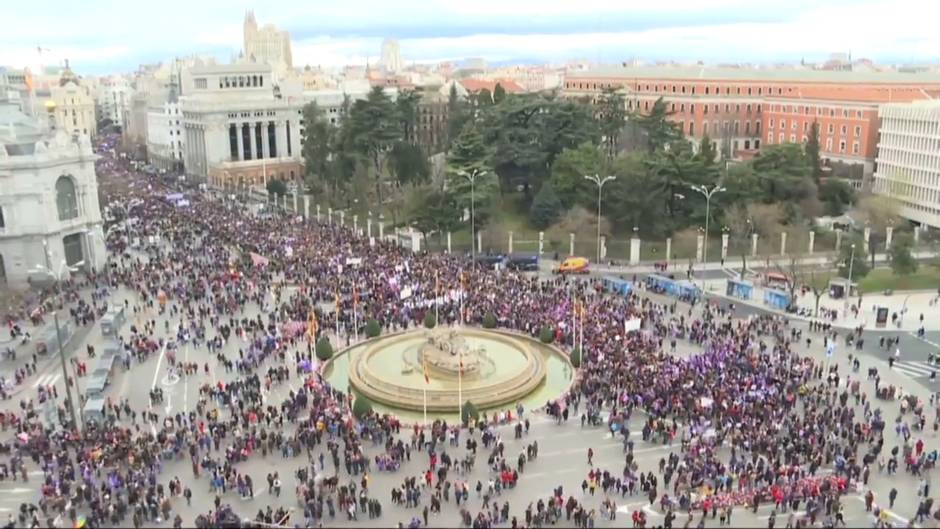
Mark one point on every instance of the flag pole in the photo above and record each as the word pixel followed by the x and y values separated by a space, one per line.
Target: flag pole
pixel 337 317
pixel 355 315
pixel 460 384
pixel 437 299
pixel 581 317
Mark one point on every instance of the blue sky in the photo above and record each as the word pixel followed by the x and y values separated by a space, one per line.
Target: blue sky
pixel 102 36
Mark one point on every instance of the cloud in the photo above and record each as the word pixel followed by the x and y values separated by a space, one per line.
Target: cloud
pixel 101 36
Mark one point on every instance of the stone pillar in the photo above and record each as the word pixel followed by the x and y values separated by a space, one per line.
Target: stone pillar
pixel 356 223
pixel 812 242
pixel 308 204
pixel 603 247
pixel 635 250
pixel 252 138
pixel 448 243
pixel 479 242
pixel 541 242
pixel 369 227
pixel 753 245
pixel 724 246
pixel 889 235
pixel 296 203
pixel 668 250
pixel 239 130
pixel 570 244
pixel 783 243
pixel 510 243
pixel 318 212
pixel 866 239
pixel 699 247
pixel 838 240
pixel 342 217
pixel 329 216
pixel 265 151
pixel 916 234
pixel 381 229
pixel 415 241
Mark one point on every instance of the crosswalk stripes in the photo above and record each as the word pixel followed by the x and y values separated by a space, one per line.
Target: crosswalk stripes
pixel 914 369
pixel 47 380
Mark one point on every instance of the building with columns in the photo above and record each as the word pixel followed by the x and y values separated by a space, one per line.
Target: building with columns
pixel 909 159
pixel 165 143
pixel 48 199
pixel 239 126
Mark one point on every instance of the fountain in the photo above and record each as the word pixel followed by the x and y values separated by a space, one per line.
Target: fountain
pixel 487 367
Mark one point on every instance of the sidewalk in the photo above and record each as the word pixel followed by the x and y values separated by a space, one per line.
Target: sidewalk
pixel 909 307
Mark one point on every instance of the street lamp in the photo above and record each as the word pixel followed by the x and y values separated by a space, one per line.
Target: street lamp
pixel 848 292
pixel 55 277
pixel 599 182
pixel 707 193
pixel 472 177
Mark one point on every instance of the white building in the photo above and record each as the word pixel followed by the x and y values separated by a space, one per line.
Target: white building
pixel 165 139
pixel 239 126
pixel 267 44
pixel 48 198
pixel 908 162
pixel 71 106
pixel 391 56
pixel 114 99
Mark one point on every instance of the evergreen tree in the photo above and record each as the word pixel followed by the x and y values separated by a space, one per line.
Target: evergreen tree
pixel 546 207
pixel 902 261
pixel 706 150
pixel 812 152
pixel 657 127
pixel 457 115
pixel 469 155
pixel 611 115
pixel 499 93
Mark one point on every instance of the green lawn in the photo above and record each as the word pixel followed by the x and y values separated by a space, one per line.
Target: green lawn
pixel 926 278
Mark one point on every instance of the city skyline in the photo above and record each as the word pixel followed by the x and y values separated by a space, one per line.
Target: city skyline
pixel 332 35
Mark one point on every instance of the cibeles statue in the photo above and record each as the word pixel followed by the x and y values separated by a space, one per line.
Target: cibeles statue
pixel 445 350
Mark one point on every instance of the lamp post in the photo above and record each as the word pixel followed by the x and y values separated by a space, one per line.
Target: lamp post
pixel 599 182
pixel 848 292
pixel 472 177
pixel 55 278
pixel 707 193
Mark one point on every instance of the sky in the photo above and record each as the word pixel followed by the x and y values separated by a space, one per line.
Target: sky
pixel 108 36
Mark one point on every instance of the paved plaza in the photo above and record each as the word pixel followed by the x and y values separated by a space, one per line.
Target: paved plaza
pixel 207 423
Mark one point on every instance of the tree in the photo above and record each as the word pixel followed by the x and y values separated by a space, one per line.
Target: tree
pixel 277 188
pixel 489 320
pixel 611 115
pixel 575 357
pixel 429 320
pixel 408 164
pixel 706 150
pixel 836 196
pixel 635 198
pixel 483 98
pixel 457 115
pixel 468 154
pixel 406 105
pixel 433 210
pixel 741 227
pixel 324 349
pixel 362 406
pixel 373 329
pixel 655 124
pixel 499 93
pixel 812 152
pixel 317 147
pixel 469 412
pixel 374 128
pixel 853 261
pixel 546 207
pixel 568 171
pixel 902 261
pixel 546 334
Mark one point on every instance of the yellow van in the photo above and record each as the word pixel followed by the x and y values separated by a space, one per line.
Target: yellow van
pixel 573 265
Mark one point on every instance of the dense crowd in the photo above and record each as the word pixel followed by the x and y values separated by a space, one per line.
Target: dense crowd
pixel 754 421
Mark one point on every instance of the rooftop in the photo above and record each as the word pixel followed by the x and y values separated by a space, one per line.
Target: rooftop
pixel 245 67
pixel 755 74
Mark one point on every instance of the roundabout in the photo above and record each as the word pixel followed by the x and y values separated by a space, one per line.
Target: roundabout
pixel 441 368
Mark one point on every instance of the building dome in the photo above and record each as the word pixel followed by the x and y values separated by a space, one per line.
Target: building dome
pixel 67 76
pixel 50 105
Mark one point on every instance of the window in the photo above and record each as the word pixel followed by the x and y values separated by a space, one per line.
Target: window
pixel 858 114
pixel 2 222
pixel 747 128
pixel 692 108
pixel 783 124
pixel 66 200
pixel 855 147
pixel 792 138
pixel 706 109
pixel 858 131
pixel 758 108
pixel 842 146
pixel 830 128
pixel 72 244
pixel 707 90
pixel 716 107
pixel 829 144
pixel 781 138
pixel 691 133
pixel 793 125
pixel 770 137
pixel 757 129
pixel 201 83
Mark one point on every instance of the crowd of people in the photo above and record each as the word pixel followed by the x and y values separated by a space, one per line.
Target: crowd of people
pixel 753 421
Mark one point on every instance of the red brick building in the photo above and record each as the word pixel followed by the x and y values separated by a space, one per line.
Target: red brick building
pixel 741 109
